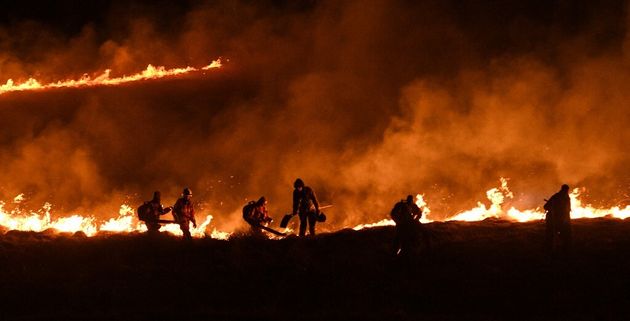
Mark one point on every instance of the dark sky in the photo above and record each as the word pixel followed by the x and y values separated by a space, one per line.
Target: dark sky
pixel 366 100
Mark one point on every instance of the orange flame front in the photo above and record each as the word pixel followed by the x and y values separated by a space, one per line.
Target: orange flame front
pixel 126 222
pixel 497 197
pixel 104 79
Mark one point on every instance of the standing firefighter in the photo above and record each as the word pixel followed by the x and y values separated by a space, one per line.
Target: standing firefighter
pixel 255 213
pixel 558 221
pixel 406 214
pixel 306 206
pixel 150 213
pixel 184 213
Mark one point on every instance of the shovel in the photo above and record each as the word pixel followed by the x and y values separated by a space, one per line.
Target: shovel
pixel 285 220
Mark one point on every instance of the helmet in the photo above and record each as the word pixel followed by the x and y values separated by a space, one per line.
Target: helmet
pixel 187 191
pixel 298 183
pixel 565 187
pixel 261 201
pixel 409 198
pixel 156 195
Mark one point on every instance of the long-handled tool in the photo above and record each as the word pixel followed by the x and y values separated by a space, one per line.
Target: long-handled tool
pixel 285 220
pixel 167 221
pixel 272 231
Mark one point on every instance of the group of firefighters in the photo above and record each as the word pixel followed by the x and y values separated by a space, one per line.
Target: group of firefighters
pixel 405 214
pixel 183 213
pixel 305 206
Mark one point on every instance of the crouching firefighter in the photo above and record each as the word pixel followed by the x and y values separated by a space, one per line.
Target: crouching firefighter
pixel 184 213
pixel 150 213
pixel 256 214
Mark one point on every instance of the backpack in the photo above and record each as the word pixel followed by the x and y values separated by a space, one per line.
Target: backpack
pixel 399 210
pixel 248 210
pixel 550 204
pixel 144 211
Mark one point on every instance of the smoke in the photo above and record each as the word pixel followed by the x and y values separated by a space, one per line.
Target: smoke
pixel 366 101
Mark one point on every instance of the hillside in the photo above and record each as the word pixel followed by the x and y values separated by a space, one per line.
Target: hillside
pixel 482 271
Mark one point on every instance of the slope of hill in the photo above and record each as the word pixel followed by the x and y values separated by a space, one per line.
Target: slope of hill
pixel 482 271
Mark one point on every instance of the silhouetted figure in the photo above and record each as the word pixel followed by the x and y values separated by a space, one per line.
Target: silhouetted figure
pixel 306 206
pixel 558 221
pixel 150 213
pixel 256 214
pixel 184 213
pixel 406 214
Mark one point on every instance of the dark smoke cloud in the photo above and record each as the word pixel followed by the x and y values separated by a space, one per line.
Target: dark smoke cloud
pixel 366 101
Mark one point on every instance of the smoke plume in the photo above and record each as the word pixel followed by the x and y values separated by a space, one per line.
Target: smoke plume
pixel 367 101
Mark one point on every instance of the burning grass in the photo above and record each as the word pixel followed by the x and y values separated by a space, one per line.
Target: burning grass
pixel 126 221
pixel 104 79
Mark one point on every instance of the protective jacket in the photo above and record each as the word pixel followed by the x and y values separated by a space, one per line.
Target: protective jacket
pixel 304 201
pixel 156 210
pixel 184 211
pixel 558 208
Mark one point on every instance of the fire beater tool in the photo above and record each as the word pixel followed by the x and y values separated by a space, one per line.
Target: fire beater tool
pixel 287 217
pixel 270 230
pixel 167 221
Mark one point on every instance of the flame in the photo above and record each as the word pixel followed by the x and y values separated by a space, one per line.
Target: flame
pixel 126 222
pixel 104 79
pixel 497 197
pixel 18 199
pixel 420 202
pixel 384 222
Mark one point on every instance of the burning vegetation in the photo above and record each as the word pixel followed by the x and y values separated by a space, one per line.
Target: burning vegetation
pixel 127 221
pixel 478 109
pixel 104 78
pixel 362 101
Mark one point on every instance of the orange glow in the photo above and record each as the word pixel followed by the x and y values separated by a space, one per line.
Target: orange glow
pixel 498 195
pixel 126 222
pixel 420 202
pixel 104 79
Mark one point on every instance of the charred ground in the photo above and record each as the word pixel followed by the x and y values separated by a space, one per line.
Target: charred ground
pixel 485 270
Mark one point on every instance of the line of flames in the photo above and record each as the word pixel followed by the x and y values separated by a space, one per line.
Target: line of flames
pixel 126 222
pixel 104 79
pixel 497 197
